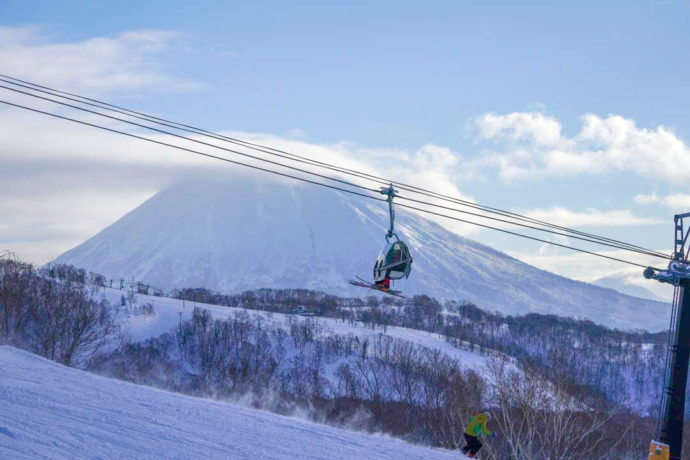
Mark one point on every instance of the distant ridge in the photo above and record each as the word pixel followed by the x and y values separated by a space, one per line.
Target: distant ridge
pixel 619 284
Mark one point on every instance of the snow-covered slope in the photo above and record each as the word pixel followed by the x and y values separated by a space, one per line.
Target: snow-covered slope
pixel 169 312
pixel 56 412
pixel 247 234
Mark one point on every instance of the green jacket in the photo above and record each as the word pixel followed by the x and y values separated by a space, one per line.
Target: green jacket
pixel 477 425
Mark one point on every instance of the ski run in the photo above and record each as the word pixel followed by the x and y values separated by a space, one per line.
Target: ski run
pixel 56 412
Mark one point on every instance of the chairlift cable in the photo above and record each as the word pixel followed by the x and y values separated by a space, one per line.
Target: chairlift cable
pixel 595 241
pixel 178 147
pixel 112 130
pixel 281 153
pixel 189 139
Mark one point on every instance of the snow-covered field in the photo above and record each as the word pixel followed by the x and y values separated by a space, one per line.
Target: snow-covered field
pixel 52 411
pixel 168 313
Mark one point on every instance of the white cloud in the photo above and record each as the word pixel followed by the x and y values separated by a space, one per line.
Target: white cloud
pixel 533 144
pixel 646 199
pixel 532 126
pixel 59 182
pixel 677 202
pixel 130 61
pixel 589 217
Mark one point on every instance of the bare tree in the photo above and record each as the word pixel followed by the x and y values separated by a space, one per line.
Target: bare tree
pixel 59 319
pixel 18 289
pixel 69 322
pixel 541 416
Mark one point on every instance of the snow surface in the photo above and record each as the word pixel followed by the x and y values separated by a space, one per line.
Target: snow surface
pixel 57 412
pixel 244 234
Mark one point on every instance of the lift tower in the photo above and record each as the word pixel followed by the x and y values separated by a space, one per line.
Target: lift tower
pixel 669 433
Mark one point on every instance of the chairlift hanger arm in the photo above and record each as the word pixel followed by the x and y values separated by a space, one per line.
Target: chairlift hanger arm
pixel 391 193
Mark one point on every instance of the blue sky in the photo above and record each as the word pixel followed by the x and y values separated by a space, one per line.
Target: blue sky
pixel 401 73
pixel 399 76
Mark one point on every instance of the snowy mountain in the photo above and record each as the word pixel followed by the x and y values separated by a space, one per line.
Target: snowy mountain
pixel 52 411
pixel 246 234
pixel 621 283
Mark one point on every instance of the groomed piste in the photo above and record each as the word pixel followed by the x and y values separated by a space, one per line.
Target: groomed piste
pixel 53 411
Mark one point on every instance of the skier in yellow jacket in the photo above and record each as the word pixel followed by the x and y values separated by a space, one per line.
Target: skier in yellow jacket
pixel 475 428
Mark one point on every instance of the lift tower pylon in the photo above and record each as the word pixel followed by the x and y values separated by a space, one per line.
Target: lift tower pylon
pixel 669 433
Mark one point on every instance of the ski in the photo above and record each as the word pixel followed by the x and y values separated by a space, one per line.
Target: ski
pixel 365 284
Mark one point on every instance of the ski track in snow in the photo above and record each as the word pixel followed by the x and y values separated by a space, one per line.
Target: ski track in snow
pixel 167 316
pixel 56 412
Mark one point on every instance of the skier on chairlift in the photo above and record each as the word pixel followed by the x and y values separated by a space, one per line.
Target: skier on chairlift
pixel 394 262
